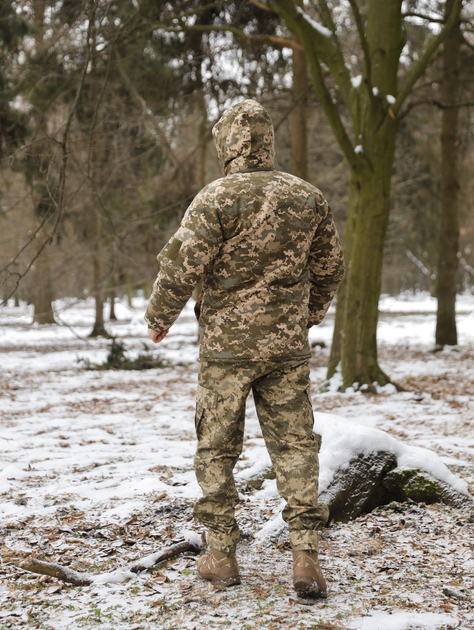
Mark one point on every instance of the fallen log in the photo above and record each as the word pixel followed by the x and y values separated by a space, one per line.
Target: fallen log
pixel 192 543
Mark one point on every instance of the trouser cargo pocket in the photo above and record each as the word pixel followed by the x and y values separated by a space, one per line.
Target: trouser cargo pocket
pixel 206 399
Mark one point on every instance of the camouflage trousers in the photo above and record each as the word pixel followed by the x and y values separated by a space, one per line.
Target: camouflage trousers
pixel 283 403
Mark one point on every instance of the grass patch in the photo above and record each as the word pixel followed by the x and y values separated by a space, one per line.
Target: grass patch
pixel 117 359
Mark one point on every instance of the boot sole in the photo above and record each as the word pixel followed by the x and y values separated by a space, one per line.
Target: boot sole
pixel 309 589
pixel 229 581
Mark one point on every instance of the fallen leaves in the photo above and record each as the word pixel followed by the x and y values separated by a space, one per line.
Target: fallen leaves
pixel 383 573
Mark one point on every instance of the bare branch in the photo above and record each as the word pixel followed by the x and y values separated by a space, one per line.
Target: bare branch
pixel 467 43
pixel 323 46
pixel 319 47
pixel 293 105
pixel 327 16
pixel 129 84
pixel 261 5
pixel 421 65
pixel 83 579
pixel 25 246
pixel 332 113
pixel 434 102
pixel 56 570
pixel 363 41
pixel 160 556
pixel 59 202
pixel 423 17
pixel 283 41
pixel 237 32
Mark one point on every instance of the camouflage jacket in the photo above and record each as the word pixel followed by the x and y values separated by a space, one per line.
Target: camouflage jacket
pixel 264 244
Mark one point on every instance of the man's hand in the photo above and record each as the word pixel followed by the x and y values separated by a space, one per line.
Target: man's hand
pixel 156 337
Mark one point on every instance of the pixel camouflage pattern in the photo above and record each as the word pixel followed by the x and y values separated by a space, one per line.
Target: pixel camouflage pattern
pixel 264 244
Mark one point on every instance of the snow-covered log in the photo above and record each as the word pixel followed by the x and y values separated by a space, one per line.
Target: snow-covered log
pixel 362 468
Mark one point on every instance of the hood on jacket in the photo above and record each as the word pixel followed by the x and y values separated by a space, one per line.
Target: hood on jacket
pixel 244 138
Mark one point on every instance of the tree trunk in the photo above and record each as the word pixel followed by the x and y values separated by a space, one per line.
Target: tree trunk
pixel 299 115
pixel 147 289
pixel 335 356
pixel 201 141
pixel 374 104
pixel 43 291
pixel 99 326
pixel 129 289
pixel 446 333
pixel 364 276
pixel 98 156
pixel 375 130
pixel 200 173
pixel 112 315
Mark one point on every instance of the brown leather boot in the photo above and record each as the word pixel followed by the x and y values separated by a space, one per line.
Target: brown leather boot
pixel 308 579
pixel 218 567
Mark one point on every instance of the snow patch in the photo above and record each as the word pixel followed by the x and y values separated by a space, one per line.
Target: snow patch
pixel 268 490
pixel 389 388
pixel 192 537
pixel 403 621
pixel 253 471
pixel 272 528
pixel 115 577
pixel 11 473
pixel 335 382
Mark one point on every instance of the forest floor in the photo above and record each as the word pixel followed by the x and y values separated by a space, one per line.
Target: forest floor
pixel 97 470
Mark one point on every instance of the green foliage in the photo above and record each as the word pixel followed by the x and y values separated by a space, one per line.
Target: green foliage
pixel 117 359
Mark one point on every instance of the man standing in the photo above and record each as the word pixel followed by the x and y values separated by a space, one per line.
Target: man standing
pixel 266 248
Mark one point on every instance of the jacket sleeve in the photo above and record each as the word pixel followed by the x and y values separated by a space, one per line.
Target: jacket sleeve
pixel 184 261
pixel 326 266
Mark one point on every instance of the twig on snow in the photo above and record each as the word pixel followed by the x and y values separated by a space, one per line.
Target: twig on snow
pixel 193 544
pixel 56 570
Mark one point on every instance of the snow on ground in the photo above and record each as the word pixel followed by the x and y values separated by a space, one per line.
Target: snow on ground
pixel 97 470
